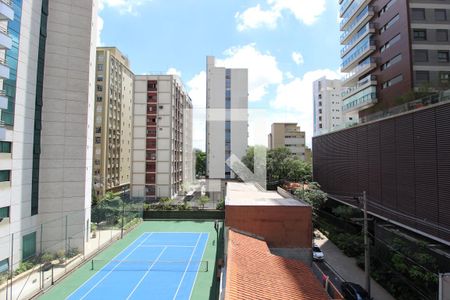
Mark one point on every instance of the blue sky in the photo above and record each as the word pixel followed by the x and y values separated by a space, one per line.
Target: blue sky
pixel 285 44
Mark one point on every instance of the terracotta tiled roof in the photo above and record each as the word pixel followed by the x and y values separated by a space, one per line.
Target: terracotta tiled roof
pixel 254 273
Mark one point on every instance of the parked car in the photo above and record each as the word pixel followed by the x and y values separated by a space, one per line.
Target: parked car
pixel 353 291
pixel 317 253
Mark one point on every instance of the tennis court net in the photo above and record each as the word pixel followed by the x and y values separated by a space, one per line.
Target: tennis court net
pixel 145 265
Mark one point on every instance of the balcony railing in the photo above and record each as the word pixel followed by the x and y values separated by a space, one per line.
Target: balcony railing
pixel 362 84
pixel 358 53
pixel 369 10
pixel 344 6
pixel 359 101
pixel 369 27
pixel 7 2
pixel 355 6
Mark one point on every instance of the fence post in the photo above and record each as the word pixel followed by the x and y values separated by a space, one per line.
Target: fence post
pixel 11 263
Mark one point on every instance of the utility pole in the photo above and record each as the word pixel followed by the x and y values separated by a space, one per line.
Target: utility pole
pixel 366 245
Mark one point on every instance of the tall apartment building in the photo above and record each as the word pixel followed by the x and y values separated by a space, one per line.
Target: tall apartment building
pixel 113 121
pixel 290 136
pixel 327 105
pixel 162 163
pixel 46 99
pixel 390 49
pixel 226 117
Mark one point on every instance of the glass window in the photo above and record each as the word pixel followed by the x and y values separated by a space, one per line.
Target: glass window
pixel 29 245
pixel 440 15
pixel 443 56
pixel 422 76
pixel 442 35
pixel 420 55
pixel 420 34
pixel 393 81
pixel 4 212
pixel 5 147
pixel 4 265
pixel 100 67
pixel 444 77
pixel 418 13
pixel 5 175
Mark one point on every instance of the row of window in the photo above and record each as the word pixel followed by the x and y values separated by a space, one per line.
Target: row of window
pixel 422 35
pixel 418 14
pixel 443 56
pixel 424 77
pixel 392 81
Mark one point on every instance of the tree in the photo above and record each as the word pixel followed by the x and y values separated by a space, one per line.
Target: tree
pixel 108 209
pixel 200 163
pixel 203 200
pixel 312 195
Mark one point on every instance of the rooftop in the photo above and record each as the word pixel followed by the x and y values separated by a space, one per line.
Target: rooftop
pixel 248 194
pixel 254 273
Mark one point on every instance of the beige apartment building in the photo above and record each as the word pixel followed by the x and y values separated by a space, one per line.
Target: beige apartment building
pixel 162 138
pixel 287 135
pixel 113 121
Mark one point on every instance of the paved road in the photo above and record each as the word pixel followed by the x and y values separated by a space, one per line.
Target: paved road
pixel 346 268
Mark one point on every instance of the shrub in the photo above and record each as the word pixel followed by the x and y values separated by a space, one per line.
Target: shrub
pixel 61 256
pixel 72 252
pixel 24 266
pixel 221 205
pixel 47 257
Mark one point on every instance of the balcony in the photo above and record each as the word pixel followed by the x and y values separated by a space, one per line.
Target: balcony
pixel 3 100
pixel 343 7
pixel 362 50
pixel 367 81
pixel 362 19
pixel 354 10
pixel 6 10
pixel 361 100
pixel 368 29
pixel 4 69
pixel 2 130
pixel 364 67
pixel 5 39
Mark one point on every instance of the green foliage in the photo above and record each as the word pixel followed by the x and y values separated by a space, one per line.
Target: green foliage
pixel 47 257
pixel 165 202
pixel 25 266
pixel 203 200
pixel 221 205
pixel 72 252
pixel 108 209
pixel 60 256
pixel 346 212
pixel 200 163
pixel 281 165
pixel 132 223
pixel 312 195
pixel 352 245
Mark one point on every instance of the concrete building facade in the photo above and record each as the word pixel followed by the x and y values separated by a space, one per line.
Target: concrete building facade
pixel 226 118
pixel 392 49
pixel 46 130
pixel 162 164
pixel 113 121
pixel 288 135
pixel 328 114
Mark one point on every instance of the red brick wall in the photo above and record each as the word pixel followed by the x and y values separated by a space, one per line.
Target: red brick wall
pixel 280 226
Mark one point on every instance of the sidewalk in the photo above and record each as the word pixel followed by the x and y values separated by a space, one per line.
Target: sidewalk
pixel 347 267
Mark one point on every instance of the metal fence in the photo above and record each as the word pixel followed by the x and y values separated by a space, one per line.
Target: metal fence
pixel 38 255
pixel 330 288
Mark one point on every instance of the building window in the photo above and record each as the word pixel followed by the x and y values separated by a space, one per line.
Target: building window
pixel 320 103
pixel 418 14
pixel 420 55
pixel 152 85
pixel 98 130
pixel 4 212
pixel 151 155
pixel 5 175
pixel 386 7
pixel 391 62
pixel 5 147
pixel 99 78
pixel 443 56
pixel 444 77
pixel 320 125
pixel 99 67
pixel 4 265
pixel 98 140
pixel 420 34
pixel 99 88
pixel 442 35
pixel 99 98
pixel 97 162
pixel 440 15
pixel 390 43
pixel 320 110
pixel 393 81
pixel 29 245
pixel 390 23
pixel 422 76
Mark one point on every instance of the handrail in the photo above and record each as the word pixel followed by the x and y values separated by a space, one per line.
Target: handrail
pixel 7 2
pixel 3 29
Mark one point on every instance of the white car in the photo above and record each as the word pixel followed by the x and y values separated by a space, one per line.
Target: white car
pixel 317 253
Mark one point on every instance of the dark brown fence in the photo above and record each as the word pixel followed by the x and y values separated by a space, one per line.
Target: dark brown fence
pixel 402 162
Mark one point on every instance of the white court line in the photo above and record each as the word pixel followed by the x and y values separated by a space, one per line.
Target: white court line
pixel 106 264
pixel 201 258
pixel 146 273
pixel 161 246
pixel 185 270
pixel 107 274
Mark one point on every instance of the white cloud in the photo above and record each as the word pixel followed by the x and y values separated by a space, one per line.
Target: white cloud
pixel 99 30
pixel 255 17
pixel 305 11
pixel 123 6
pixel 262 68
pixel 297 57
pixel 297 96
pixel 173 71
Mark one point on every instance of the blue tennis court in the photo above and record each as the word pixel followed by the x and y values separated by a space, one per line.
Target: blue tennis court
pixel 157 265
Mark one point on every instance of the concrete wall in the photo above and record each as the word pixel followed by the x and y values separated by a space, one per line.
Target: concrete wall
pixel 281 227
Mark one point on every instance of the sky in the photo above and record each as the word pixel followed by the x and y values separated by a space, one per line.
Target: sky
pixel 285 44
